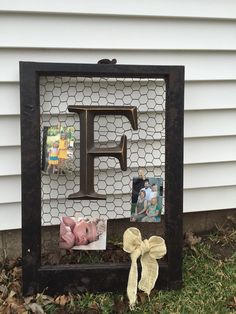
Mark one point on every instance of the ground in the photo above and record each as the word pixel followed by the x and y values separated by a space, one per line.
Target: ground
pixel 209 273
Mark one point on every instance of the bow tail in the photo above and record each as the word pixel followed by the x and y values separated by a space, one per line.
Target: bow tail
pixel 132 280
pixel 150 270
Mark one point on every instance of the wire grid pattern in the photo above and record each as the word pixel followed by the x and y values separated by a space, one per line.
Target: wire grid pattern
pixel 145 147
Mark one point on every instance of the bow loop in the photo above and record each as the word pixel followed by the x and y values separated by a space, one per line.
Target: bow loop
pixel 157 247
pixel 131 240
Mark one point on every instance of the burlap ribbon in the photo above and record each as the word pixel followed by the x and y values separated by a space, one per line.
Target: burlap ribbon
pixel 150 250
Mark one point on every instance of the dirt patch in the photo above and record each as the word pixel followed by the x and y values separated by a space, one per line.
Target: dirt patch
pixel 221 240
pixel 113 254
pixel 223 252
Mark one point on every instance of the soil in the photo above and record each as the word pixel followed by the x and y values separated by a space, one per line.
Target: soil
pixel 113 254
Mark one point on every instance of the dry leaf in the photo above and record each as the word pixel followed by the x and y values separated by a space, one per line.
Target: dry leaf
pixel 232 304
pixel 120 305
pixel 142 296
pixel 16 287
pixel 13 305
pixel 62 299
pixel 4 291
pixel 18 309
pixel 44 299
pixel 94 306
pixel 11 294
pixel 191 240
pixel 28 299
pixel 36 308
pixel 3 308
pixel 17 273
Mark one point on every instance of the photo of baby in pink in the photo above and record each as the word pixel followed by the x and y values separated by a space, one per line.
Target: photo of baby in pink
pixel 82 233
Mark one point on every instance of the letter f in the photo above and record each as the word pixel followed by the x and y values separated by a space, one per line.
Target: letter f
pixel 88 151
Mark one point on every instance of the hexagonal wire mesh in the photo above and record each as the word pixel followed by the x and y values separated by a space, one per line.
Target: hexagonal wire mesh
pixel 145 148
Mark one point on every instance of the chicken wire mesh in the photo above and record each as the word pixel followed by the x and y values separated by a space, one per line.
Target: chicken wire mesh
pixel 145 147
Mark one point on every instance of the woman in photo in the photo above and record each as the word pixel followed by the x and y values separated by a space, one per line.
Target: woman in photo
pixel 82 232
pixel 153 211
pixel 141 207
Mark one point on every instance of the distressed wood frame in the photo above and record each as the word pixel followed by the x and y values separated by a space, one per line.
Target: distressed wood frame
pixel 109 276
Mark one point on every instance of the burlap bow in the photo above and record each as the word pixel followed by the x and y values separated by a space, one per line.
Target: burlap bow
pixel 150 250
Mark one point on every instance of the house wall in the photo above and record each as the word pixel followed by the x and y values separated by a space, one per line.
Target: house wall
pixel 197 34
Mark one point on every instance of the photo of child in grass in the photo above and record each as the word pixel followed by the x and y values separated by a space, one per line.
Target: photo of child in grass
pixel 58 144
pixel 147 199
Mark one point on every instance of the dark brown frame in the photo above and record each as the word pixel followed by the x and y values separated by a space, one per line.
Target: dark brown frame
pixel 96 277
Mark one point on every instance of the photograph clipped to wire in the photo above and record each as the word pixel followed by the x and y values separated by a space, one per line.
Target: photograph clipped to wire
pixel 58 150
pixel 147 197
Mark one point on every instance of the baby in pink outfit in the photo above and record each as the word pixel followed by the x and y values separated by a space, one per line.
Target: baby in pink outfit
pixel 80 232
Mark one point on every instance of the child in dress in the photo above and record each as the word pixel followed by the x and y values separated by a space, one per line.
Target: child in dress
pixel 81 232
pixel 153 211
pixel 63 145
pixel 53 159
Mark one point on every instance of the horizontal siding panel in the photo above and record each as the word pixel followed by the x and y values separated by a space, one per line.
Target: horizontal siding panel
pixel 210 95
pixel 198 96
pixel 9 130
pixel 10 188
pixel 10 216
pixel 196 150
pixel 196 176
pixel 208 123
pixel 203 150
pixel 210 175
pixel 198 65
pixel 150 129
pixel 10 161
pixel 67 31
pixel 183 8
pixel 210 199
pixel 9 99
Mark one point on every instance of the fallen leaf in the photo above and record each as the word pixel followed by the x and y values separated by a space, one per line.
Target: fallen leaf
pixel 120 305
pixel 17 273
pixel 18 309
pixel 94 306
pixel 44 299
pixel 28 299
pixel 142 297
pixel 11 294
pixel 36 308
pixel 191 240
pixel 232 303
pixel 16 287
pixel 4 291
pixel 62 300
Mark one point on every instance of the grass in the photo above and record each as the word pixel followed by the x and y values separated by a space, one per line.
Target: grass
pixel 209 275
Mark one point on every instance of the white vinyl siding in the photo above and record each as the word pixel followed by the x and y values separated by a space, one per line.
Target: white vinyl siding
pixel 197 34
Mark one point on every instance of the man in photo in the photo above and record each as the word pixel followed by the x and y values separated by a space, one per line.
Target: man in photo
pixel 147 189
pixel 138 184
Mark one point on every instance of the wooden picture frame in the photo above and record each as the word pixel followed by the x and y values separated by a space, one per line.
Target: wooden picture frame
pixel 97 277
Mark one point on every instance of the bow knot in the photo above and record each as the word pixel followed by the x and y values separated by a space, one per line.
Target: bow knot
pixel 150 250
pixel 145 247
